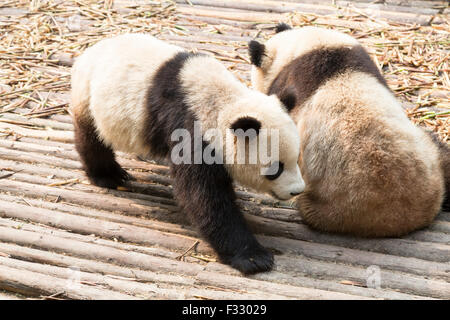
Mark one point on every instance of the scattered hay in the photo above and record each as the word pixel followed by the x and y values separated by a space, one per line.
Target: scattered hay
pixel 414 60
pixel 41 38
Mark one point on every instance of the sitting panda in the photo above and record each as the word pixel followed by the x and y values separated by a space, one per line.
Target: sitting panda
pixel 368 170
pixel 132 92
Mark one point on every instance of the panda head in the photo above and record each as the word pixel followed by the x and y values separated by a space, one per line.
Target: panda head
pixel 260 126
pixel 286 45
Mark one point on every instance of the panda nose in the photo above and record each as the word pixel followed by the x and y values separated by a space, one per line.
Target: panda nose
pixel 295 193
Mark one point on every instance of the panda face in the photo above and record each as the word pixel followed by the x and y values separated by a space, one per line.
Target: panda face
pixel 221 102
pixel 274 136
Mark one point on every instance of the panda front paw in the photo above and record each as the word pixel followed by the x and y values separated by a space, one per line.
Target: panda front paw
pixel 252 259
pixel 111 178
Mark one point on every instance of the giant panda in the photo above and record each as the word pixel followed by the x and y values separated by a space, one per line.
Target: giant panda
pixel 368 170
pixel 133 91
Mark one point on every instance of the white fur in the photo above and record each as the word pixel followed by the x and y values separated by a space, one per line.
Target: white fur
pixel 365 94
pixel 120 71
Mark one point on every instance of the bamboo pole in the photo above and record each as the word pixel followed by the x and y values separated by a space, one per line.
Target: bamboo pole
pixel 40 285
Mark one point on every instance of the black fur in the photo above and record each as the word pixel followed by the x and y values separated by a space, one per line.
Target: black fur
pixel 282 27
pixel 444 154
pixel 167 110
pixel 98 159
pixel 205 192
pixel 280 170
pixel 304 75
pixel 288 98
pixel 246 123
pixel 256 50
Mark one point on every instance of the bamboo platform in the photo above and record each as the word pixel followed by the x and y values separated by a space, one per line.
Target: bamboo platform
pixel 62 238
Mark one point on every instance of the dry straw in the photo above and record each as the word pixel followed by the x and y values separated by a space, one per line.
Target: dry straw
pixel 39 39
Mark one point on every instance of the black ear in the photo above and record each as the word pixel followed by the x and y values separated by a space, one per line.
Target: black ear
pixel 246 123
pixel 282 27
pixel 256 51
pixel 288 98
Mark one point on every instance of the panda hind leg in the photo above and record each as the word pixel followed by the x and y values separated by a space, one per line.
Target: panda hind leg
pixel 444 154
pixel 98 159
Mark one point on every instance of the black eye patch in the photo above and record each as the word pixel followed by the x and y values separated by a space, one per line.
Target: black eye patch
pixel 275 175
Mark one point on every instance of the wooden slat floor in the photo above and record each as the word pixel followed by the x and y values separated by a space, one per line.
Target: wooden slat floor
pixel 62 238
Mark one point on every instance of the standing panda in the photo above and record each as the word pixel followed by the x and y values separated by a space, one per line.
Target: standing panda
pixel 132 92
pixel 368 170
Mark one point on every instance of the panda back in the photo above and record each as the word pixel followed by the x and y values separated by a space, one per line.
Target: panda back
pixel 122 70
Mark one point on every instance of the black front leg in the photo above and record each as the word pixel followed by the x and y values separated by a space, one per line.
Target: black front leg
pixel 205 192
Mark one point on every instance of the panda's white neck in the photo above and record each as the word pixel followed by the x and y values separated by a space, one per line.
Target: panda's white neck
pixel 209 88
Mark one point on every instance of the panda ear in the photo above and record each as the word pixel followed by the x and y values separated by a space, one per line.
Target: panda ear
pixel 246 123
pixel 288 98
pixel 282 27
pixel 256 51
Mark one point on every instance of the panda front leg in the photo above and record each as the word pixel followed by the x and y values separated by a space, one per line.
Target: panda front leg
pixel 205 192
pixel 98 159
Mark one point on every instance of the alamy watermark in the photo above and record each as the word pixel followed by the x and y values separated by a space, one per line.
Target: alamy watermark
pixel 373 279
pixel 373 10
pixel 262 147
pixel 74 279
